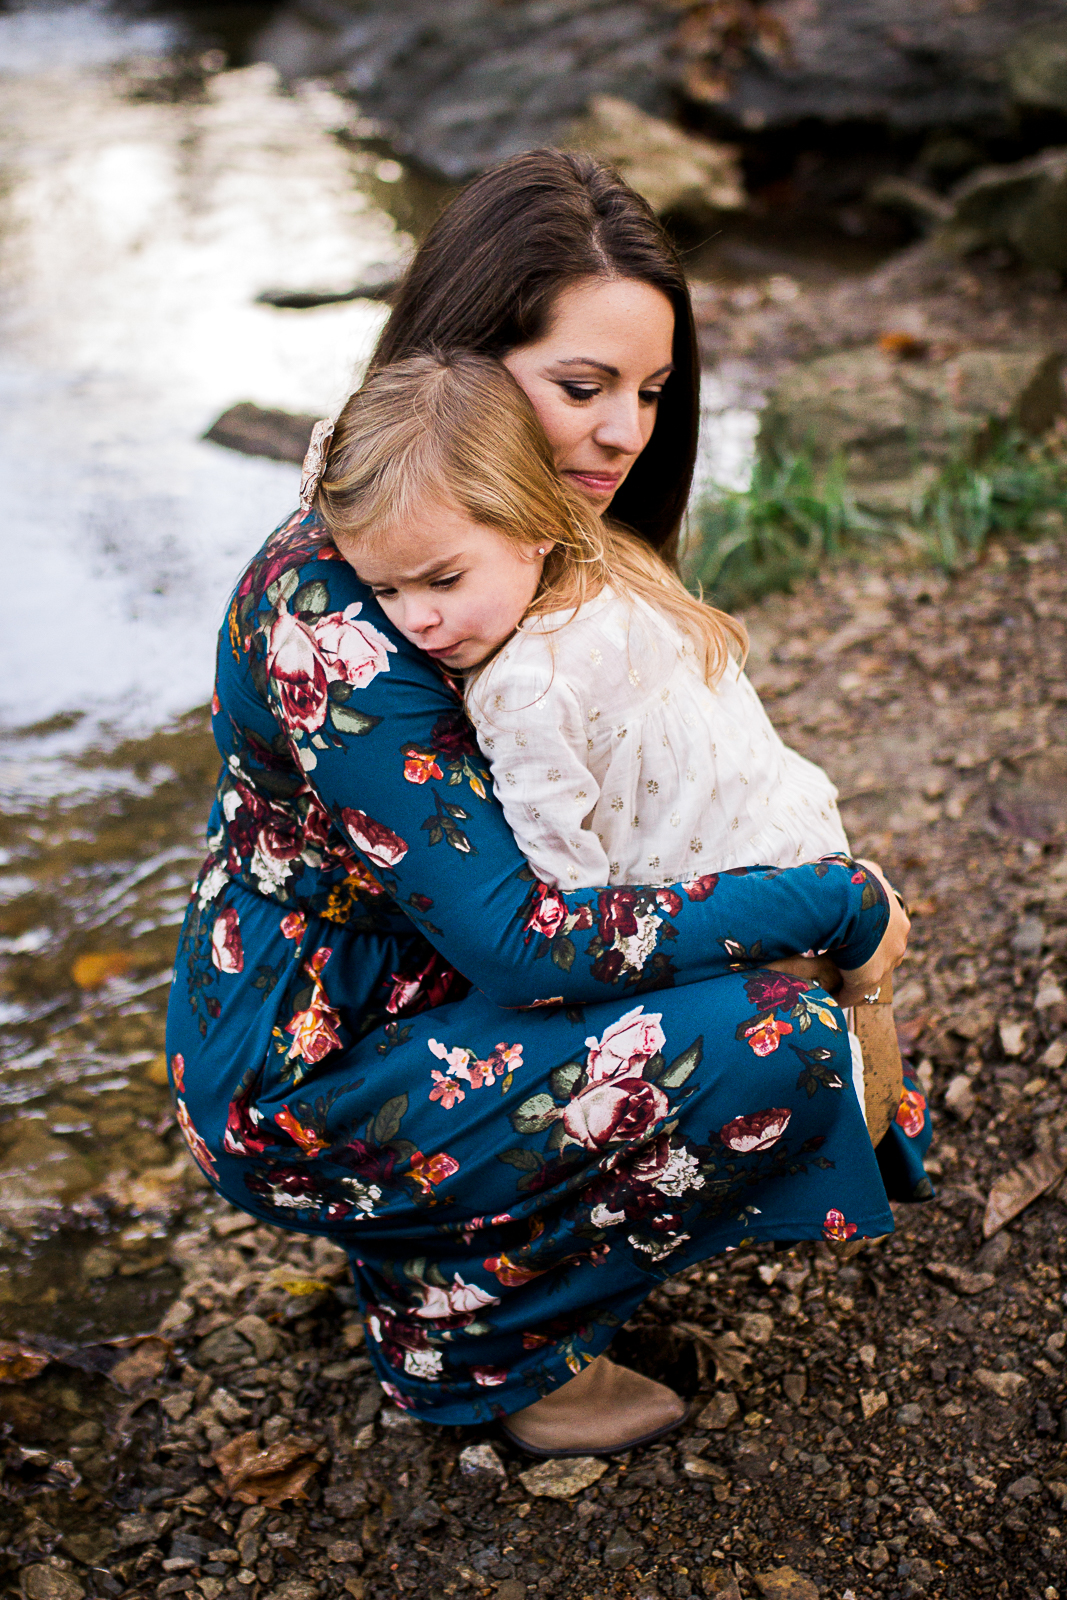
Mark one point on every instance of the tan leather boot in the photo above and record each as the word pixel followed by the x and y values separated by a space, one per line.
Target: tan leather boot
pixel 605 1409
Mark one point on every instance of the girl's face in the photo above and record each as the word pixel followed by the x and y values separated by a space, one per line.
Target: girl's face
pixel 453 588
pixel 595 377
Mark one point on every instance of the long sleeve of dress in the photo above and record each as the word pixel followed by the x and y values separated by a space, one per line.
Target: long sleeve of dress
pixel 356 730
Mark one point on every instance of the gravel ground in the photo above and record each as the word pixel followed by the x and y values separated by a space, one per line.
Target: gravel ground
pixel 890 1426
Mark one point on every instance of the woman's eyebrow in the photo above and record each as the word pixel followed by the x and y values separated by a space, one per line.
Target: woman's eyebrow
pixel 612 372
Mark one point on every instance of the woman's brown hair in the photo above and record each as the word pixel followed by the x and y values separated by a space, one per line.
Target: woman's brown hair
pixel 488 272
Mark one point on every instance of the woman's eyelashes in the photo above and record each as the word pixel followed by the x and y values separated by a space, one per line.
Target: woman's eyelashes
pixel 581 391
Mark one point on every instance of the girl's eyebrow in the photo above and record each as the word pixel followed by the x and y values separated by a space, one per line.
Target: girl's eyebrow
pixel 612 372
pixel 431 570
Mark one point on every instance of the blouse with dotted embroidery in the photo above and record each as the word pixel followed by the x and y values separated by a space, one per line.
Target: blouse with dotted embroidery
pixel 615 761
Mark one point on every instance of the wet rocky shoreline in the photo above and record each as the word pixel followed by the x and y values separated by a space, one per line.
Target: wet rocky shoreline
pixel 891 1426
pixel 187 1406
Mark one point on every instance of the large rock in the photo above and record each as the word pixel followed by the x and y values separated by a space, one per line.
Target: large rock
pixel 885 417
pixel 258 431
pixel 1023 205
pixel 679 175
pixel 462 84
pixel 911 64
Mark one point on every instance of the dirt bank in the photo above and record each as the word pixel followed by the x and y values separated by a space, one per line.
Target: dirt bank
pixel 890 1427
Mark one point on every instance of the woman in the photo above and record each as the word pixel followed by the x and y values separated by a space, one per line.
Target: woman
pixel 517 1109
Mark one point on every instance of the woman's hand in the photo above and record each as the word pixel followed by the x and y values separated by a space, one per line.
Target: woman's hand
pixel 865 980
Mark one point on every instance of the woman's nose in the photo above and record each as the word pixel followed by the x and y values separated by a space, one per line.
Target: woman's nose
pixel 620 428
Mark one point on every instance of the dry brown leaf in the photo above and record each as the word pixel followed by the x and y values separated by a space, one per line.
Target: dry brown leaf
pixel 18 1362
pixel 147 1359
pixel 268 1476
pixel 730 1358
pixel 727 1349
pixel 902 344
pixel 91 971
pixel 1017 1189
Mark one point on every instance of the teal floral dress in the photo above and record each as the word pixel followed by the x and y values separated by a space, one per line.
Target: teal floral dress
pixel 517 1109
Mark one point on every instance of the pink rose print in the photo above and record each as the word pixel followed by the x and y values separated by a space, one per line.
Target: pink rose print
pixel 177 1072
pixel 910 1113
pixel 461 1299
pixel 302 662
pixel 835 1227
pixel 352 652
pixel 298 673
pixel 669 902
pixel 626 1045
pixel 201 1154
pixel 703 887
pixel 765 1034
pixel 227 950
pixel 384 847
pixel 294 926
pixel 614 1111
pixel 548 912
pixel 756 1132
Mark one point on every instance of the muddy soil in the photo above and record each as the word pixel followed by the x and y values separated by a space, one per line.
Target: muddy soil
pixel 887 1427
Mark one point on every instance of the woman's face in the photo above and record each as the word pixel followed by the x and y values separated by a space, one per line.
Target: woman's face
pixel 594 378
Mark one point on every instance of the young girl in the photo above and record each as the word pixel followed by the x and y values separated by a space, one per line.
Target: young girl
pixel 625 742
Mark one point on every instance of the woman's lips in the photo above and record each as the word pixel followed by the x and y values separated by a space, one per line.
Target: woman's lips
pixel 595 482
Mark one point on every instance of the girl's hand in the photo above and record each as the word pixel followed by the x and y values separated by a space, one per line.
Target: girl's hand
pixel 865 980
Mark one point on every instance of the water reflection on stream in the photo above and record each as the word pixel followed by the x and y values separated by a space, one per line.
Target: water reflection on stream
pixel 145 204
pixel 137 227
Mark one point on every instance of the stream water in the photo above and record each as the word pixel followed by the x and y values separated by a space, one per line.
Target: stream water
pixel 145 205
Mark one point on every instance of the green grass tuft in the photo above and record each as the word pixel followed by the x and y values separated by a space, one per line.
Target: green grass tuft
pixel 795 517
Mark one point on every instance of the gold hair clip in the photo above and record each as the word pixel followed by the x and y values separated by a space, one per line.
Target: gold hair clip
pixel 315 462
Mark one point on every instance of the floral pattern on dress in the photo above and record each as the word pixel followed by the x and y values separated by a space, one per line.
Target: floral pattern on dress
pixel 575 1133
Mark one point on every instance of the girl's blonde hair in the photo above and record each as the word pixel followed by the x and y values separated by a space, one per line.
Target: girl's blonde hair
pixel 459 429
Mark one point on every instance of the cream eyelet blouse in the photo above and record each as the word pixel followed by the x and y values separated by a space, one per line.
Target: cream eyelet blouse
pixel 616 763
